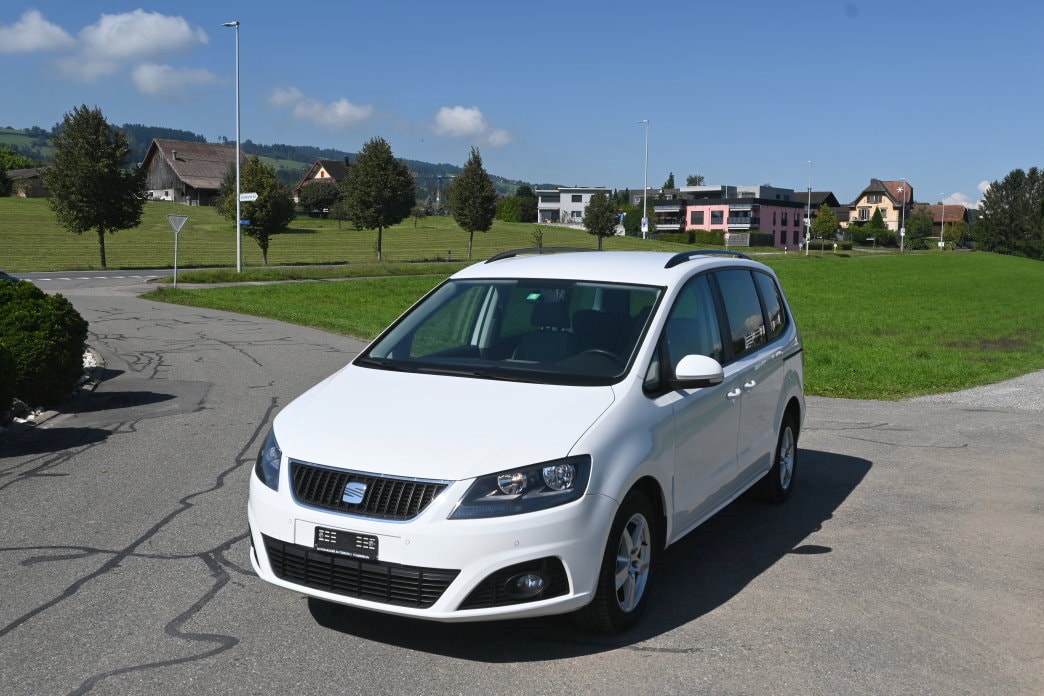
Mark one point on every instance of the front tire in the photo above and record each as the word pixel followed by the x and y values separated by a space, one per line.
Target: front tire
pixel 623 580
pixel 778 483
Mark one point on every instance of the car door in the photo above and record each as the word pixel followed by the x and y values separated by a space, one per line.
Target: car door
pixel 756 368
pixel 706 420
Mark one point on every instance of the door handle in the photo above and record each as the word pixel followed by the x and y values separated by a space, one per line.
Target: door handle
pixel 734 394
pixel 750 385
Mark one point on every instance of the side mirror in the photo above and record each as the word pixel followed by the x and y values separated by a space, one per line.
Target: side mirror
pixel 696 372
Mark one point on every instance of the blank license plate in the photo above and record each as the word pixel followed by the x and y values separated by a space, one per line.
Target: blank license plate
pixel 363 546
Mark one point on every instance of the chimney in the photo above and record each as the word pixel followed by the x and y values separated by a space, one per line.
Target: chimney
pixel 174 155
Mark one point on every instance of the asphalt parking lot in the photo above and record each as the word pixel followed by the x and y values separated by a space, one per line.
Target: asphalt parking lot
pixel 909 560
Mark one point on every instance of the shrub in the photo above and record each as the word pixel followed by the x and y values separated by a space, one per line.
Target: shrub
pixel 7 380
pixel 712 237
pixel 45 336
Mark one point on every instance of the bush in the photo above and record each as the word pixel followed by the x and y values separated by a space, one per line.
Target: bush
pixel 677 237
pixel 45 336
pixel 8 375
pixel 710 237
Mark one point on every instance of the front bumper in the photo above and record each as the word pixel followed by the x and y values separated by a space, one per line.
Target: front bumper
pixel 432 567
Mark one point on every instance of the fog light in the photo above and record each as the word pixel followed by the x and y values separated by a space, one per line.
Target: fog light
pixel 525 586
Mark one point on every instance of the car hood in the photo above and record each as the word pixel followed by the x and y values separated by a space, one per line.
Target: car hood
pixel 434 426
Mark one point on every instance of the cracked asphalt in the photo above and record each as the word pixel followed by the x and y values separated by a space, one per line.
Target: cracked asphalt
pixel 909 560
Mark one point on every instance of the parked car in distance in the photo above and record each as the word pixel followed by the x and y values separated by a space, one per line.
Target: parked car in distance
pixel 7 276
pixel 530 435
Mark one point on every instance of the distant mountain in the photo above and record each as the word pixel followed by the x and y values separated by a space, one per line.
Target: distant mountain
pixel 290 162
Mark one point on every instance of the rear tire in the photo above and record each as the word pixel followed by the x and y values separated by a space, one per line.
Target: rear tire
pixel 623 580
pixel 778 483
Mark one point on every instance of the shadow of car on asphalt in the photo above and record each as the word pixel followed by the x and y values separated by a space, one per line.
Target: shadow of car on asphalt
pixel 696 575
pixel 34 441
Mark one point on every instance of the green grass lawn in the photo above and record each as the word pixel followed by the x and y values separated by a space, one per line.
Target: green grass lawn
pixel 882 326
pixel 30 240
pixel 874 326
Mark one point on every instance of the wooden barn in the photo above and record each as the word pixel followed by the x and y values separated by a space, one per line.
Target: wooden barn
pixel 187 172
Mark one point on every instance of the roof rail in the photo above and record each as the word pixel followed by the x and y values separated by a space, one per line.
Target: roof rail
pixel 683 256
pixel 534 250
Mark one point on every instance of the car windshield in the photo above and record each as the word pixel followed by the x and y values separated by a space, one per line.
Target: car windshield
pixel 547 331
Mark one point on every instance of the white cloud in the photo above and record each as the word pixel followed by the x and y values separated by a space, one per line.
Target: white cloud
pixel 168 82
pixel 336 115
pixel 33 33
pixel 983 185
pixel 461 122
pixel 119 39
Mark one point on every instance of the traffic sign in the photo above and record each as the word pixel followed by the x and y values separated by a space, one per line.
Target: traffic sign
pixel 247 197
pixel 177 222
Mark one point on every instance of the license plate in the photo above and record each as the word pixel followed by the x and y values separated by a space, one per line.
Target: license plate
pixel 362 546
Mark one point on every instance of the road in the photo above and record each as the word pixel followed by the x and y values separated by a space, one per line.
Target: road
pixel 909 560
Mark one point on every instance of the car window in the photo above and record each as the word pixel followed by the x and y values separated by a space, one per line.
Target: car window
pixel 742 309
pixel 692 327
pixel 541 330
pixel 773 301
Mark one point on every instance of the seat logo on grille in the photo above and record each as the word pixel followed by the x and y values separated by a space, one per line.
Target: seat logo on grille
pixel 354 492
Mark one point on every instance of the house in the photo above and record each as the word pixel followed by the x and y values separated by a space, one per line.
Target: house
pixel 566 204
pixel 187 172
pixel 893 198
pixel 950 214
pixel 323 171
pixel 28 183
pixel 821 198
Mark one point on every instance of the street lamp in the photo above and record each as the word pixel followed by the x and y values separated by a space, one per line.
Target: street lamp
pixel 942 222
pixel 645 182
pixel 239 203
pixel 902 214
pixel 808 210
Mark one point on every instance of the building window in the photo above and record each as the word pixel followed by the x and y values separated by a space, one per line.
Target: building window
pixel 717 217
pixel 863 213
pixel 696 217
pixel 873 198
pixel 577 198
pixel 783 218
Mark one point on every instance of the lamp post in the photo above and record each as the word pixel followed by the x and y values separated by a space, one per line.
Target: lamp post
pixel 902 214
pixel 239 203
pixel 645 182
pixel 942 222
pixel 808 210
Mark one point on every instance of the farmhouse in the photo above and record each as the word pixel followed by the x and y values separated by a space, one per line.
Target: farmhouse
pixel 187 172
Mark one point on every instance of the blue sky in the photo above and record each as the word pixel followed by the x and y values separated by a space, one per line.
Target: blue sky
pixel 946 94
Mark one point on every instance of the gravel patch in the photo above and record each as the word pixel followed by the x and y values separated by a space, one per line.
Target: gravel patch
pixel 1025 393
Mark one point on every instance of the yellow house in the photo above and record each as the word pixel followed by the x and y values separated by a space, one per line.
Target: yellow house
pixel 890 197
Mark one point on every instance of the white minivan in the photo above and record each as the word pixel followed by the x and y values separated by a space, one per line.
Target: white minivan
pixel 529 436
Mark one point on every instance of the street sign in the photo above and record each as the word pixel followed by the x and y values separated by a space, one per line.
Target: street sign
pixel 247 197
pixel 244 222
pixel 177 222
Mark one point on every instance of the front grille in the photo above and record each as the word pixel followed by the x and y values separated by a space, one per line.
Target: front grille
pixel 491 592
pixel 388 583
pixel 385 498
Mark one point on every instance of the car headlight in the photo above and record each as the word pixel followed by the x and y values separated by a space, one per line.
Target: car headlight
pixel 527 489
pixel 267 467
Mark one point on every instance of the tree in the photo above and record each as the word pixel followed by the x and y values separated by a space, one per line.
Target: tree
pixel 379 190
pixel 601 216
pixel 9 159
pixel 319 196
pixel 270 214
pixel 90 190
pixel 694 180
pixel 669 184
pixel 824 226
pixel 509 209
pixel 918 228
pixel 5 189
pixel 473 198
pixel 527 204
pixel 1012 215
